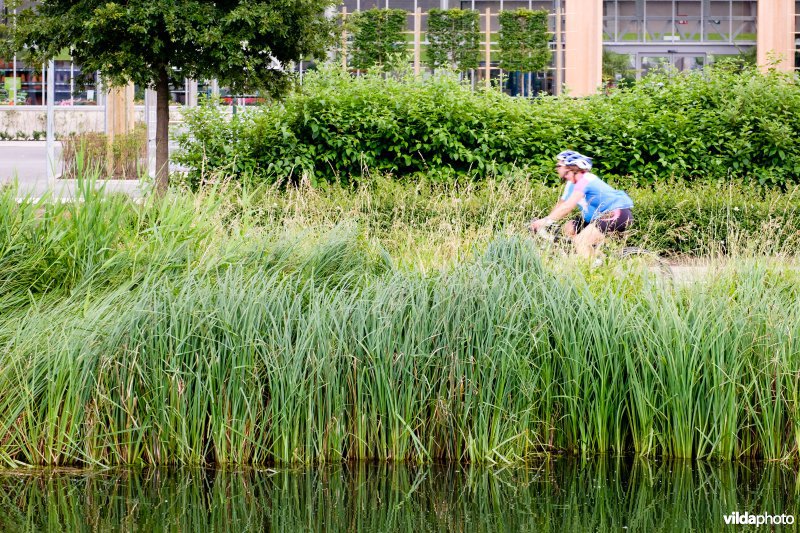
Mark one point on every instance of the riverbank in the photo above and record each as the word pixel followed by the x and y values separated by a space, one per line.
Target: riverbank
pixel 225 330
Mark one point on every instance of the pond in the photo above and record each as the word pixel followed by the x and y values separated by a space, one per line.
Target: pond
pixel 555 495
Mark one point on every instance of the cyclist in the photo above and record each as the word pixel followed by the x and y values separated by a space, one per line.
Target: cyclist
pixel 603 209
pixel 561 169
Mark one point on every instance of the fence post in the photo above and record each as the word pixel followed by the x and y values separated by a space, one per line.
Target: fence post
pixel 344 38
pixel 488 44
pixel 417 39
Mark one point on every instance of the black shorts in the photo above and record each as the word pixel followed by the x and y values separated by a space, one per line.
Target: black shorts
pixel 615 221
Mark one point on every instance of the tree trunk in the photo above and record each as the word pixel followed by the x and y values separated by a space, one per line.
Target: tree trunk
pixel 162 132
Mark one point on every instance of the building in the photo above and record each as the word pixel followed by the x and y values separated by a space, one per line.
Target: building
pixel 686 34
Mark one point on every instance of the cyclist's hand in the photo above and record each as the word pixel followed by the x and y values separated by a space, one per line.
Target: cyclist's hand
pixel 538 224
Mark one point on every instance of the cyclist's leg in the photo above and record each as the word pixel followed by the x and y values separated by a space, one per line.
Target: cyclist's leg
pixel 588 241
pixel 572 227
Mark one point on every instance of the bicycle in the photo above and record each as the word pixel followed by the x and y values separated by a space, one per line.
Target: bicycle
pixel 654 262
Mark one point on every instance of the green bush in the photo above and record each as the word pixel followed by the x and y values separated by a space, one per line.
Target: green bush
pixel 377 37
pixel 720 123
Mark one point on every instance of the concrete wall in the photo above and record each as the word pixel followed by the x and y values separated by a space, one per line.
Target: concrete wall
pixel 23 121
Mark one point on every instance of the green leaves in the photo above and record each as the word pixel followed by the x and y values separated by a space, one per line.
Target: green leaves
pixel 524 41
pixel 712 125
pixel 377 37
pixel 136 40
pixel 454 39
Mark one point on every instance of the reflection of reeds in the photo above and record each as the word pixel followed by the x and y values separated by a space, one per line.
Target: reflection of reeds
pixel 559 495
pixel 220 329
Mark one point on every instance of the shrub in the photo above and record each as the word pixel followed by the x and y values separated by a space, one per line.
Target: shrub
pixel 719 123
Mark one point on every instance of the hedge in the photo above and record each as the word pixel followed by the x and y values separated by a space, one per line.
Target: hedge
pixel 726 122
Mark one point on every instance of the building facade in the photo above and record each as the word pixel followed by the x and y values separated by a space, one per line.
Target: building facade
pixel 686 34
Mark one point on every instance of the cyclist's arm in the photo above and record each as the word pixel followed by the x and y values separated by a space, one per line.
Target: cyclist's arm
pixel 565 208
pixel 564 194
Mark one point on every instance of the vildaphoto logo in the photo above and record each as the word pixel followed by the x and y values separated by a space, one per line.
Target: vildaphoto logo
pixel 746 519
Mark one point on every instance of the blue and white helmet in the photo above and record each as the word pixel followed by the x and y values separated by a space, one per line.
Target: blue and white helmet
pixel 580 161
pixel 562 156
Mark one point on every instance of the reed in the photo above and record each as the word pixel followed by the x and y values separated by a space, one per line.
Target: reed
pixel 219 328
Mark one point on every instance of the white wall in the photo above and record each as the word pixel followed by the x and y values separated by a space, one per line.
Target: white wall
pixel 23 120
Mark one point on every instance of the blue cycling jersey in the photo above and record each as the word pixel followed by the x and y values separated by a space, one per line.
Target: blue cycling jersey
pixel 598 197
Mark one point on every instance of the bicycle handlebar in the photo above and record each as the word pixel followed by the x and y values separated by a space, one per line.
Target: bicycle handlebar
pixel 549 233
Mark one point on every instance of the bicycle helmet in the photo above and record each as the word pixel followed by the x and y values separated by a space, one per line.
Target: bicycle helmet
pixel 565 154
pixel 580 161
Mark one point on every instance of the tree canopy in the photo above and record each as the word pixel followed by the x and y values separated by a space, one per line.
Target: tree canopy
pixel 246 44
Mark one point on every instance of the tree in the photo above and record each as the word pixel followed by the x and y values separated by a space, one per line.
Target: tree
pixel 378 37
pixel 454 38
pixel 524 40
pixel 246 44
pixel 617 66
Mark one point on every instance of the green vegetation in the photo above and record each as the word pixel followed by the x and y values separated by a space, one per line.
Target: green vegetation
pixel 260 326
pixel 377 38
pixel 725 123
pixel 154 44
pixel 454 36
pixel 524 40
pixel 129 152
pixel 551 496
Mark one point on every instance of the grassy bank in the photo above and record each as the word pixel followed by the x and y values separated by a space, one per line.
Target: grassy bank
pixel 304 326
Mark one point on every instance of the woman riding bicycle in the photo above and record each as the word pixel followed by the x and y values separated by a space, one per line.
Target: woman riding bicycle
pixel 604 209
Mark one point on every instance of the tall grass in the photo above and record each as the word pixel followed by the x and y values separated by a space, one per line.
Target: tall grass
pixel 222 329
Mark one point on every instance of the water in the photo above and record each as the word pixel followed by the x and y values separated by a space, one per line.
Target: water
pixel 559 495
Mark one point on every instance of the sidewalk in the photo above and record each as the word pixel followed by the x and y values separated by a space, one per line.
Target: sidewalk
pixel 25 162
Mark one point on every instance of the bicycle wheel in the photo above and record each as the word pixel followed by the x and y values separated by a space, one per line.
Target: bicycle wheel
pixel 656 264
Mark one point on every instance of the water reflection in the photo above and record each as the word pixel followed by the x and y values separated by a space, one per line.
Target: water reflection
pixel 559 495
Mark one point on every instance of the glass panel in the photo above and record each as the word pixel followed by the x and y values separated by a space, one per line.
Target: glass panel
pixel 177 93
pixel 629 20
pixel 688 23
pixel 29 85
pixel 653 63
pixel 659 22
pixel 689 62
pixel 68 90
pixel 609 21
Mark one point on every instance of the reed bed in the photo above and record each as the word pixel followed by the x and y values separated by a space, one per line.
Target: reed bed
pixel 229 328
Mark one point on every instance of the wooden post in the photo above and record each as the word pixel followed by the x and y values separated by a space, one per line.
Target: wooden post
pixel 119 119
pixel 559 67
pixel 344 38
pixel 488 44
pixel 417 39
